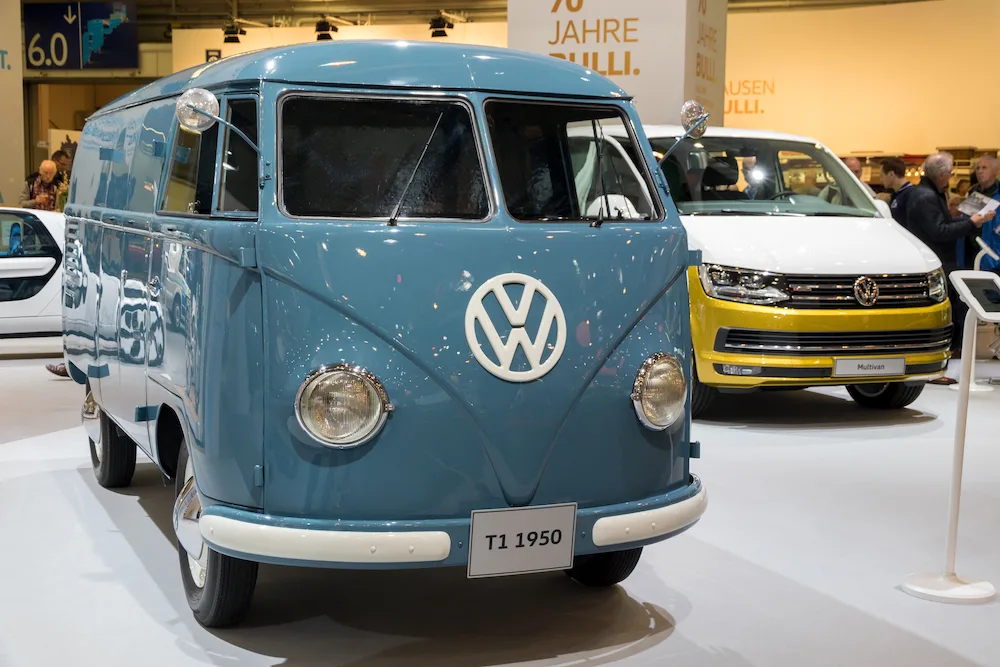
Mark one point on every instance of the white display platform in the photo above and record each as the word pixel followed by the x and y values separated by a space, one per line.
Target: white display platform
pixel 796 562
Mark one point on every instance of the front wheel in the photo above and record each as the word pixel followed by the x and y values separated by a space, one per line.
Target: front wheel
pixel 604 569
pixel 219 588
pixel 885 396
pixel 702 396
pixel 113 453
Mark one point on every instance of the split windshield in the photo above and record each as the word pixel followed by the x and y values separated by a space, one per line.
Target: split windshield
pixel 560 162
pixel 745 176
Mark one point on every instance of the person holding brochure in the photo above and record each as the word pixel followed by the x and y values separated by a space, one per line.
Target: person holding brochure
pixel 929 219
pixel 988 186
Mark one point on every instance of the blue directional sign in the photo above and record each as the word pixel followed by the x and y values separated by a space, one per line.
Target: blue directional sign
pixel 81 35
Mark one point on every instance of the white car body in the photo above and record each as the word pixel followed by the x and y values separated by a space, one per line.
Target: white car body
pixel 809 245
pixel 31 325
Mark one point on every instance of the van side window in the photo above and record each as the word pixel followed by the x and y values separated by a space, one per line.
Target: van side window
pixel 349 158
pixel 239 181
pixel 192 171
pixel 150 152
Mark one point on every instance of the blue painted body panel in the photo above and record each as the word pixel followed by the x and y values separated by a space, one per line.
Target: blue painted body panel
pixel 246 306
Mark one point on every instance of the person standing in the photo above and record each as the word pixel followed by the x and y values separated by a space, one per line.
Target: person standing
pixel 988 185
pixel 40 192
pixel 929 219
pixel 893 172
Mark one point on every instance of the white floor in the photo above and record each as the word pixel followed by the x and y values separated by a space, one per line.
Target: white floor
pixel 818 510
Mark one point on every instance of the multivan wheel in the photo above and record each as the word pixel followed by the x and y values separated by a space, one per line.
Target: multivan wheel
pixel 219 588
pixel 885 395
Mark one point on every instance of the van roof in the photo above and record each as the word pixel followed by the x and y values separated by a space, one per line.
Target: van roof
pixel 395 64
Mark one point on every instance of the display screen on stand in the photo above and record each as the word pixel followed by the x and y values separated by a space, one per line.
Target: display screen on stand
pixel 986 292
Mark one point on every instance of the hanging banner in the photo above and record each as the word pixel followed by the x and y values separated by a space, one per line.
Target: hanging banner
pixel 81 35
pixel 662 52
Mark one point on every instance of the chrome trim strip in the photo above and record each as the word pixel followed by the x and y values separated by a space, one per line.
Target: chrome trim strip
pixel 930 346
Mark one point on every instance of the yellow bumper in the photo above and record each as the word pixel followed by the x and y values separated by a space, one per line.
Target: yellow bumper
pixel 741 369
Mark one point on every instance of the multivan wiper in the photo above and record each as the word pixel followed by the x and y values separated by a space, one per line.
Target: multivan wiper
pixel 733 211
pixel 395 211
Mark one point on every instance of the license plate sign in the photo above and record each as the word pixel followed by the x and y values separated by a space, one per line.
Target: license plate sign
pixel 522 540
pixel 869 367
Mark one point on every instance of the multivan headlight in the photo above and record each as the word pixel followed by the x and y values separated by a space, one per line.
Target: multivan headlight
pixel 342 406
pixel 659 392
pixel 758 288
pixel 937 286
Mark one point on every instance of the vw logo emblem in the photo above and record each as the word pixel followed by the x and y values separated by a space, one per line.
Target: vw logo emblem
pixel 866 291
pixel 534 349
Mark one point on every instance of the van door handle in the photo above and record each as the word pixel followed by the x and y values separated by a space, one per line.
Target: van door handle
pixel 154 287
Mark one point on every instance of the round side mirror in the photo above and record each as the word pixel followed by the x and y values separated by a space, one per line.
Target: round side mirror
pixel 196 108
pixel 691 113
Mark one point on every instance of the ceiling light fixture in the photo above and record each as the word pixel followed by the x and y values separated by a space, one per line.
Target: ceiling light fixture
pixel 439 25
pixel 323 30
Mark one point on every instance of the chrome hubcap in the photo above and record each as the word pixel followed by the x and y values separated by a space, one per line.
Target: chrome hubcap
pixel 90 415
pixel 872 390
pixel 187 514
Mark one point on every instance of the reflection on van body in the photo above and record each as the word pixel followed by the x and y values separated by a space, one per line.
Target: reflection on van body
pixel 386 305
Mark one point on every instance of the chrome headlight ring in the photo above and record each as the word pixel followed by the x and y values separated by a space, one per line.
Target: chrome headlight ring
pixel 639 388
pixel 385 407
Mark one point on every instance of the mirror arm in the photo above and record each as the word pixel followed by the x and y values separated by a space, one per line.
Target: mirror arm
pixel 698 123
pixel 227 124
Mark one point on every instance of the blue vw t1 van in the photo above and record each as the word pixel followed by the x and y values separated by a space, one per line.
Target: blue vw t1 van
pixel 384 305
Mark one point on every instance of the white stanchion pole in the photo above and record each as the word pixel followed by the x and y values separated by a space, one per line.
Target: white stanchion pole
pixel 970 343
pixel 947 586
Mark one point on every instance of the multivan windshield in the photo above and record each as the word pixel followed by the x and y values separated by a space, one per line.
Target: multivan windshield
pixel 744 176
pixel 560 162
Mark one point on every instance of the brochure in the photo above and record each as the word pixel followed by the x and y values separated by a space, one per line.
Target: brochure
pixel 978 203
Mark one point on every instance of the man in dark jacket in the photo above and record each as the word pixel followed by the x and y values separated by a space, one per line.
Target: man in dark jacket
pixel 929 219
pixel 893 173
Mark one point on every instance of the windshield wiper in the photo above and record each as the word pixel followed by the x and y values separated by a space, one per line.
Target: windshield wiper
pixel 562 218
pixel 835 214
pixel 733 211
pixel 599 141
pixel 395 211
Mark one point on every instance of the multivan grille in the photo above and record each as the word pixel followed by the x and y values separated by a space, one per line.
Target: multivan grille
pixel 893 291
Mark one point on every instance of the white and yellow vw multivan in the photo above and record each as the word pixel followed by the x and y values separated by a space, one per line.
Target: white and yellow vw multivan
pixel 805 278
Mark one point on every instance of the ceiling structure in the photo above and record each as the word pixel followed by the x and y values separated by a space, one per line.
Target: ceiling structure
pixel 158 17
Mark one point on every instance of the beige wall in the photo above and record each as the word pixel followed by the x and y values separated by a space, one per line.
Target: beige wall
pixel 894 78
pixel 189 45
pixel 62 105
pixel 12 114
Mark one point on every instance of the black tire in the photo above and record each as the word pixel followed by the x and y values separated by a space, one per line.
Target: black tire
pixel 114 465
pixel 604 569
pixel 702 396
pixel 229 582
pixel 887 396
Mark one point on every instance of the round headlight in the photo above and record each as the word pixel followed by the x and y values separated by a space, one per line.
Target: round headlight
pixel 660 391
pixel 342 406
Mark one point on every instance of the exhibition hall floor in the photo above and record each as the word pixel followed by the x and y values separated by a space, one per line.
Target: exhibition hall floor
pixel 817 512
